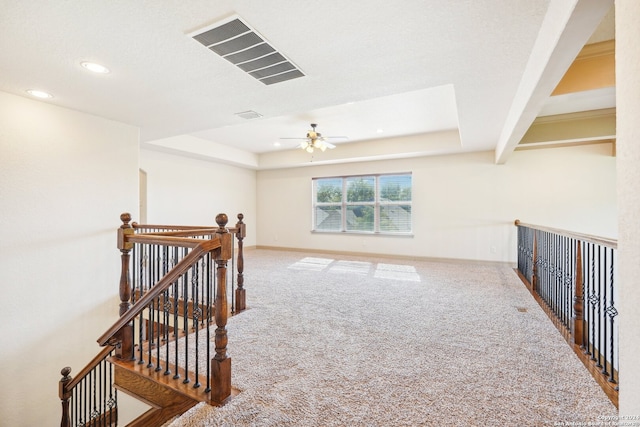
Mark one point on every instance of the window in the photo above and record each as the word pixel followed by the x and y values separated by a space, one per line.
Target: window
pixel 365 204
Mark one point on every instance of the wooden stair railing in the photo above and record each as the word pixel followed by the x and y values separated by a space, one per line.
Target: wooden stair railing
pixel 186 297
pixel 238 294
pixel 102 408
pixel 572 276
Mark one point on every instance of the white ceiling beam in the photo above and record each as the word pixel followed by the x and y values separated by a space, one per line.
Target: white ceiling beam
pixel 566 28
pixel 190 146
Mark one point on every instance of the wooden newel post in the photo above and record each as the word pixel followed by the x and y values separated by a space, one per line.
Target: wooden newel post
pixel 241 299
pixel 221 364
pixel 124 348
pixel 65 395
pixel 578 315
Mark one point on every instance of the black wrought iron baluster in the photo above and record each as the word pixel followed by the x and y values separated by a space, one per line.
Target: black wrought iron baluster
pixel 556 254
pixel 547 264
pixel 554 270
pixel 201 283
pixel 135 285
pixel 533 255
pixel 101 389
pixel 603 333
pixel 176 327
pixel 536 262
pixel 612 312
pixel 574 277
pixel 85 414
pixel 592 320
pixel 598 308
pixel 540 280
pixel 563 280
pixel 168 306
pixel 566 284
pixel 586 260
pixel 521 258
pixel 521 254
pixel 570 283
pixel 154 311
pixel 150 333
pixel 197 317
pixel 140 287
pixel 74 403
pixel 547 258
pixel 176 294
pixel 560 275
pixel 93 381
pixel 159 308
pixel 111 403
pixel 587 295
pixel 185 317
pixel 531 261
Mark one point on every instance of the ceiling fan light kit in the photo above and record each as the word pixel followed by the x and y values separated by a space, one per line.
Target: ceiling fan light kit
pixel 314 141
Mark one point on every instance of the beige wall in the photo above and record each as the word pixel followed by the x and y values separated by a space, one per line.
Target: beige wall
pixel 628 131
pixel 182 190
pixel 65 177
pixel 463 205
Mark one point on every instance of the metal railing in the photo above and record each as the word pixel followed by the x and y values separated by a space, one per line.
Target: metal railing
pixel 574 277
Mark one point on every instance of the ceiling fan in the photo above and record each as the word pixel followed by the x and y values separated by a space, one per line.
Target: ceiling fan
pixel 314 140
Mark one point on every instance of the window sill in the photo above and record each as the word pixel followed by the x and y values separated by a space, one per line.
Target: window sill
pixel 364 233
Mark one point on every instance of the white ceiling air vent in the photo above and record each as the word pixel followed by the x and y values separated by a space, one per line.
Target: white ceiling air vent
pixel 249 114
pixel 241 45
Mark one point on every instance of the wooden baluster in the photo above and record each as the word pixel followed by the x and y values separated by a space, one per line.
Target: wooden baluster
pixel 221 364
pixel 65 395
pixel 241 301
pixel 578 315
pixel 124 348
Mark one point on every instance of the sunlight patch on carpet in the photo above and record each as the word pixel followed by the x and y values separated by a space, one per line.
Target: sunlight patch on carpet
pixel 311 264
pixel 397 272
pixel 356 267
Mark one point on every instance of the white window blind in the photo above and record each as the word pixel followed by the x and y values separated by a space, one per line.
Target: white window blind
pixel 363 204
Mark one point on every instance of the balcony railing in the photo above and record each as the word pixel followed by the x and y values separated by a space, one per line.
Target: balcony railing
pixel 573 276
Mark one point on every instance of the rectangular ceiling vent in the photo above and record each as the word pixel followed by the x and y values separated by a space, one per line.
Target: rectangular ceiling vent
pixel 241 45
pixel 249 114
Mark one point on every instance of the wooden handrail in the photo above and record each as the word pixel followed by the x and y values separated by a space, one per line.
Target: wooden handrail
pixel 177 228
pixel 152 239
pixel 603 241
pixel 183 233
pixel 202 247
pixel 104 352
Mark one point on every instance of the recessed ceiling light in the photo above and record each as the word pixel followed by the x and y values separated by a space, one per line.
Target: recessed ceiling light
pixel 96 68
pixel 39 94
pixel 276 144
pixel 380 130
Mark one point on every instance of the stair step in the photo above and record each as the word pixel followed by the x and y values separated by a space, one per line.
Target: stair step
pixel 168 397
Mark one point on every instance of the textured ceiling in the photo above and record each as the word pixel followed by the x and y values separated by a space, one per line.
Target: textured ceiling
pixel 404 67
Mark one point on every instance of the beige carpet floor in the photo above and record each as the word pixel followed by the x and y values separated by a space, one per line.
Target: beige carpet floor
pixel 343 341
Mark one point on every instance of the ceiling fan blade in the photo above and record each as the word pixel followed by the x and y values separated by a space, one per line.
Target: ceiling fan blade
pixel 329 145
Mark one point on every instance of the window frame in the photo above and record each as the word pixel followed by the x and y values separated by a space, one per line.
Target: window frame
pixel 343 205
